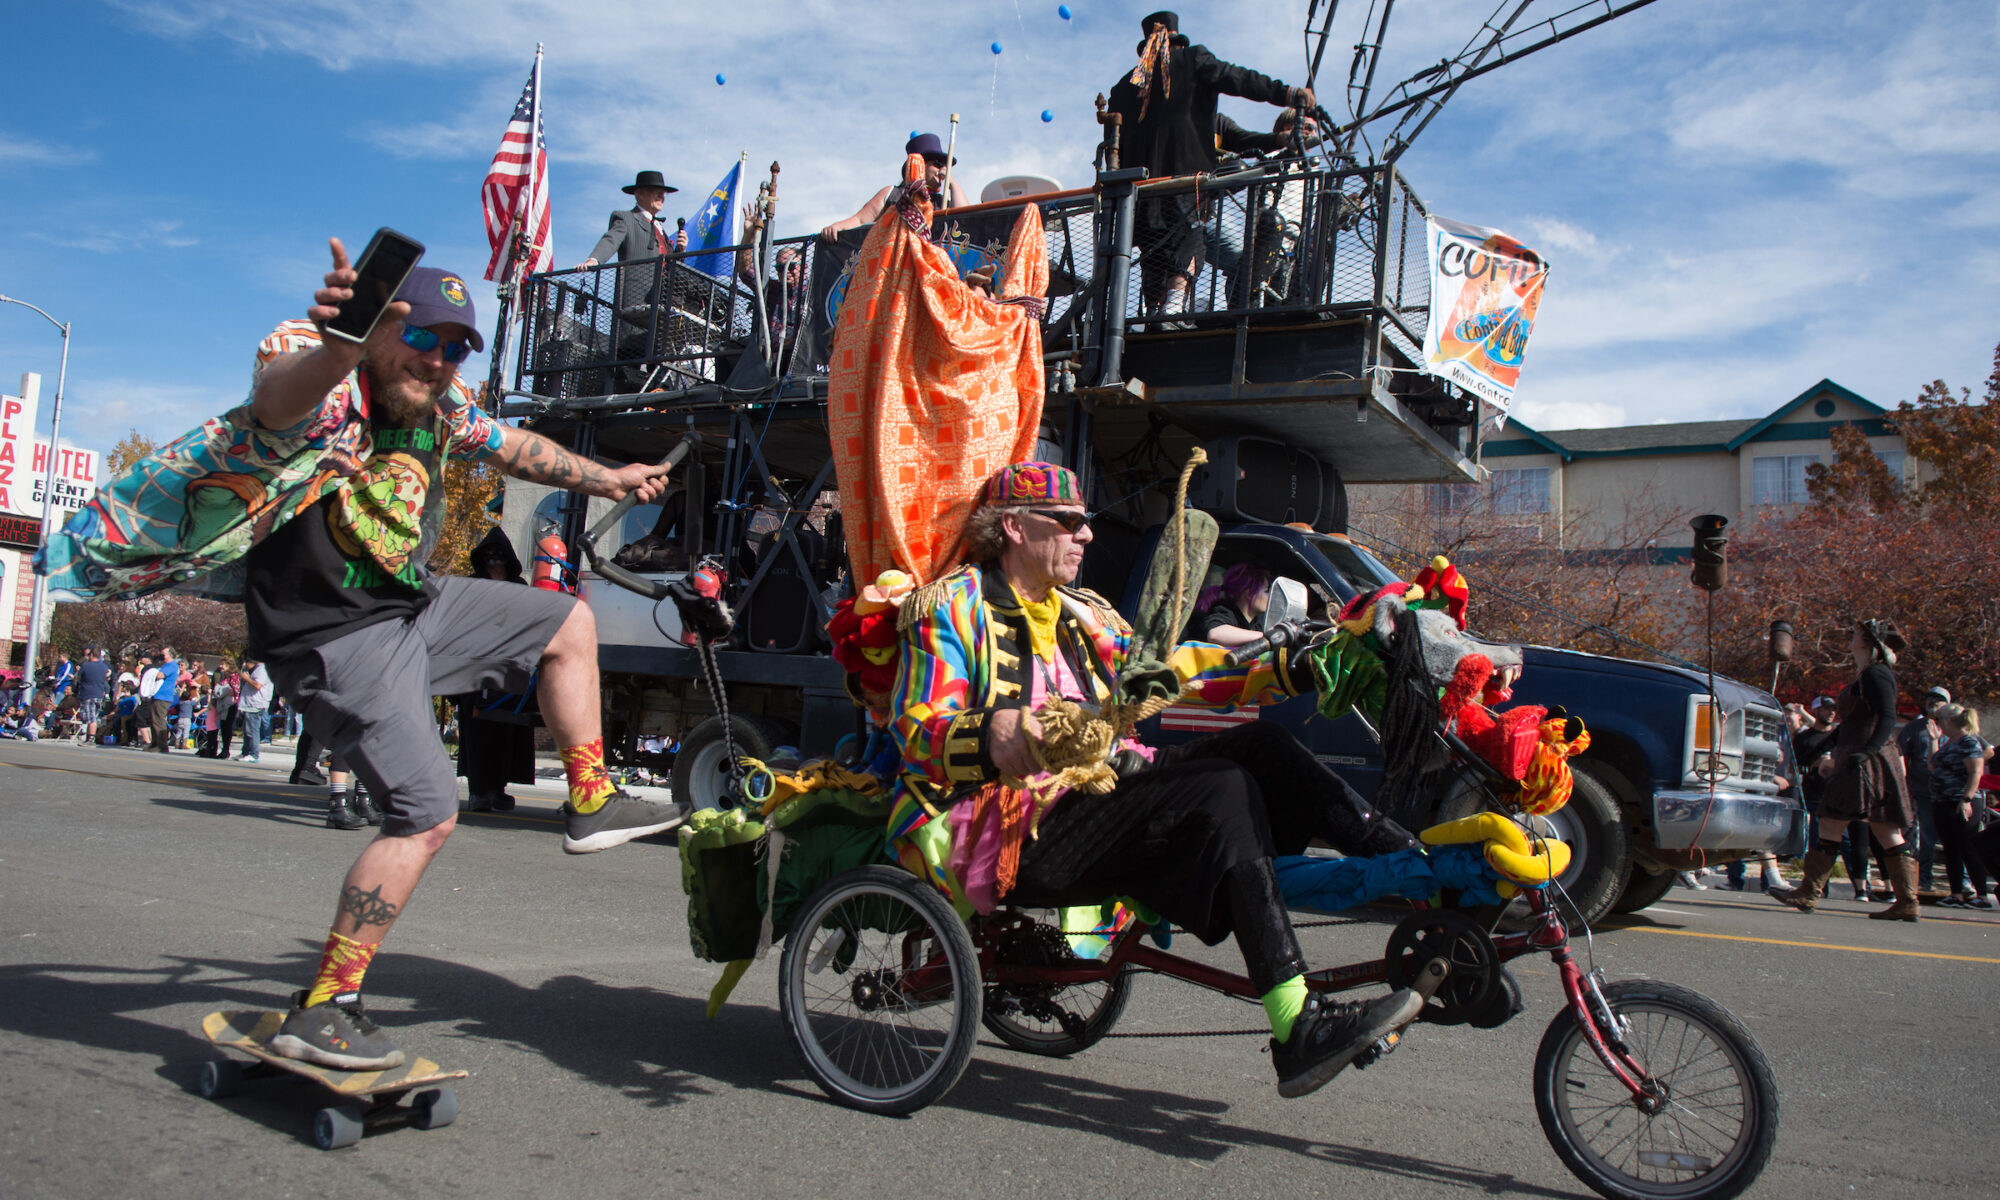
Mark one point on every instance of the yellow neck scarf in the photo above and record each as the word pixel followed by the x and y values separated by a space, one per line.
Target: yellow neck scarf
pixel 1041 623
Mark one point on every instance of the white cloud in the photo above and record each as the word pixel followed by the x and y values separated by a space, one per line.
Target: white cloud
pixel 121 238
pixel 1550 233
pixel 16 149
pixel 99 411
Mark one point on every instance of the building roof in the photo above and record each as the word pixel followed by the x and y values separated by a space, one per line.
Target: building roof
pixel 1678 437
pixel 1681 435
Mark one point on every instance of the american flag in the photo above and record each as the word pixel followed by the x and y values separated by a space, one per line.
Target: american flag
pixel 517 184
pixel 1193 718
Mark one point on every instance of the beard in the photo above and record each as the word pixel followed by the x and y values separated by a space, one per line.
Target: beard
pixel 404 400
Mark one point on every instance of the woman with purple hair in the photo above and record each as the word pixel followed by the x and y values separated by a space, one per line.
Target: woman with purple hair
pixel 1231 612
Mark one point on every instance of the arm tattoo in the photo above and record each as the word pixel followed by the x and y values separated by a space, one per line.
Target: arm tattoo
pixel 367 908
pixel 539 460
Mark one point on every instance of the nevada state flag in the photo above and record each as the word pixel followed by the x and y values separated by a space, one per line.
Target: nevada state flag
pixel 719 223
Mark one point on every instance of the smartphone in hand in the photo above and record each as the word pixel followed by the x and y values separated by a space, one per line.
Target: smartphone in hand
pixel 383 266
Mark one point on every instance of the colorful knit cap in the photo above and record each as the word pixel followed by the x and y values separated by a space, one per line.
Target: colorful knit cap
pixel 1034 483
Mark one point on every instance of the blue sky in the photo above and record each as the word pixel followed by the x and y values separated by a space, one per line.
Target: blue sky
pixel 1738 199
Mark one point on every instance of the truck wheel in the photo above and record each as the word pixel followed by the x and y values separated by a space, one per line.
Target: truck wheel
pixel 1600 849
pixel 701 772
pixel 1593 826
pixel 1642 888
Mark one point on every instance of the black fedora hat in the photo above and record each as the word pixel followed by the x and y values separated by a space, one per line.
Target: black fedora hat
pixel 928 145
pixel 649 179
pixel 1165 17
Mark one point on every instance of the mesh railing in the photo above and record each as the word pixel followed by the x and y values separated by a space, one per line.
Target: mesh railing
pixel 1279 242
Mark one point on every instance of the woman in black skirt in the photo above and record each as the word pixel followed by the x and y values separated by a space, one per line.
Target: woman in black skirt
pixel 1864 777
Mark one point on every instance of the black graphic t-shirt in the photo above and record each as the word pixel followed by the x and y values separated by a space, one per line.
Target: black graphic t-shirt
pixel 354 558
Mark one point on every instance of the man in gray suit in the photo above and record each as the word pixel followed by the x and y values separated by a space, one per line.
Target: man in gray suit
pixel 635 234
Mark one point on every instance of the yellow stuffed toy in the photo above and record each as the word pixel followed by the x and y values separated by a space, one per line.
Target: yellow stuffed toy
pixel 1520 863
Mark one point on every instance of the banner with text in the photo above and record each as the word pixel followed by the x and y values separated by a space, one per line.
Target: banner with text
pixel 17 450
pixel 1485 288
pixel 24 464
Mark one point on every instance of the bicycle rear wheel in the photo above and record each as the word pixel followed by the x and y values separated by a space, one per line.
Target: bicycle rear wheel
pixel 879 988
pixel 1052 1020
pixel 1713 1130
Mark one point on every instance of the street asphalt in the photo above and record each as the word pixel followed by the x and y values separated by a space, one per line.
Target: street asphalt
pixel 139 892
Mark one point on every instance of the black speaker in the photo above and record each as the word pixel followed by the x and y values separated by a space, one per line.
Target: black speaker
pixel 1260 479
pixel 779 617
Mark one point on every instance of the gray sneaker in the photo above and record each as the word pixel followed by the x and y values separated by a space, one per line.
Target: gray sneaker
pixel 619 820
pixel 335 1034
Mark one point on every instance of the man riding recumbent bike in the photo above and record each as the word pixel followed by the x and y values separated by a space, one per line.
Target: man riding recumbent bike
pixel 1037 856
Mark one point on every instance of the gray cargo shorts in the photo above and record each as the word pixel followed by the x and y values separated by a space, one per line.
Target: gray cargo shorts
pixel 366 695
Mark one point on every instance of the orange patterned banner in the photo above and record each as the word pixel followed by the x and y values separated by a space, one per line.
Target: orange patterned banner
pixel 934 388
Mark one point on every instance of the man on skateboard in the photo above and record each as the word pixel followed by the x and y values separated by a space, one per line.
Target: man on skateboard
pixel 317 503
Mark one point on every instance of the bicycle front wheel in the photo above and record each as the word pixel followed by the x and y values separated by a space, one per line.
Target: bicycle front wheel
pixel 879 988
pixel 1716 1116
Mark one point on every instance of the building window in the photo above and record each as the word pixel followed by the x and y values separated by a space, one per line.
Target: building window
pixel 1780 478
pixel 1525 491
pixel 1893 459
pixel 1451 497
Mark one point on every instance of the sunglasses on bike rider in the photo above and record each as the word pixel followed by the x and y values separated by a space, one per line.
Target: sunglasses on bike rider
pixel 1072 522
pixel 422 340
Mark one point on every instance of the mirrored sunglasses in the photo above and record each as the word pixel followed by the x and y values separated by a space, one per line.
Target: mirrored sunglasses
pixel 422 340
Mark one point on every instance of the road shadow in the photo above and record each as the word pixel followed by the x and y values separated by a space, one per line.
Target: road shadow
pixel 999 1084
pixel 652 1047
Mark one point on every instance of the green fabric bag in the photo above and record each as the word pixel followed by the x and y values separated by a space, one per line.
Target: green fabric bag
pixel 724 864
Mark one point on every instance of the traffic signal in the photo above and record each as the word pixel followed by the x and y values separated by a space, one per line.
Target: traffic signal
pixel 1711 567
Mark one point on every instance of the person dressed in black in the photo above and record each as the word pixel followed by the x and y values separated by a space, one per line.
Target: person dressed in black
pixel 1864 777
pixel 1917 740
pixel 1167 103
pixel 493 753
pixel 1953 777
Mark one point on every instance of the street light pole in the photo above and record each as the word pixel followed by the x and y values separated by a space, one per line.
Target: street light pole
pixel 48 501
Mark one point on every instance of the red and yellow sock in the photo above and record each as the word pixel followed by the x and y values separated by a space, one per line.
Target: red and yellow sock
pixel 341 965
pixel 589 785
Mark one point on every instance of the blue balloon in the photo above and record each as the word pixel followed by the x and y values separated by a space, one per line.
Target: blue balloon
pixel 913 135
pixel 996 47
pixel 1062 10
pixel 719 79
pixel 1047 116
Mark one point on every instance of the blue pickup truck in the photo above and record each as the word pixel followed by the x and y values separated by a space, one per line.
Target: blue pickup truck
pixel 1642 809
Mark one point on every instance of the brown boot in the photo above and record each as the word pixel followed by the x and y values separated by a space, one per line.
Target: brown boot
pixel 1902 875
pixel 1818 864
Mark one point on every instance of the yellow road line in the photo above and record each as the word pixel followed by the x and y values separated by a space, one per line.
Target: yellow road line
pixel 1733 937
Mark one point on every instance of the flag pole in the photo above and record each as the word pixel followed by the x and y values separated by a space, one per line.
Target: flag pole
pixel 766 256
pixel 510 273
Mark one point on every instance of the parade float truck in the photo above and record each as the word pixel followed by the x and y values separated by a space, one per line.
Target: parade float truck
pixel 1298 372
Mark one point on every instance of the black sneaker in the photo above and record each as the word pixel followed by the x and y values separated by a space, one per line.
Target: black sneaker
pixel 335 1034
pixel 341 814
pixel 309 777
pixel 1329 1035
pixel 619 820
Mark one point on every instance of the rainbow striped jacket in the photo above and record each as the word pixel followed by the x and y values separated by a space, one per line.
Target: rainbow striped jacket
pixel 967 655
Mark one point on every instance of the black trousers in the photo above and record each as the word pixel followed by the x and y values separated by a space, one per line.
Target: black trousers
pixel 1192 838
pixel 1962 857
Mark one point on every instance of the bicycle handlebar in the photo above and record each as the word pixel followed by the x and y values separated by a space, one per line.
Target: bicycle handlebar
pixel 1285 633
pixel 587 544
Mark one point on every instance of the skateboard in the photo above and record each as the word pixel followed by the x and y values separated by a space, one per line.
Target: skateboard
pixel 366 1095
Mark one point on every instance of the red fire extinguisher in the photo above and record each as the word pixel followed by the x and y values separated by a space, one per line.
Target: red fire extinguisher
pixel 706 615
pixel 553 570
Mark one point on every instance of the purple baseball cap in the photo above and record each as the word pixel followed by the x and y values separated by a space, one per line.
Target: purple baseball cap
pixel 439 297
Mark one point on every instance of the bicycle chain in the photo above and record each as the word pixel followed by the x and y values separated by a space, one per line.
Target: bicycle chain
pixel 712 671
